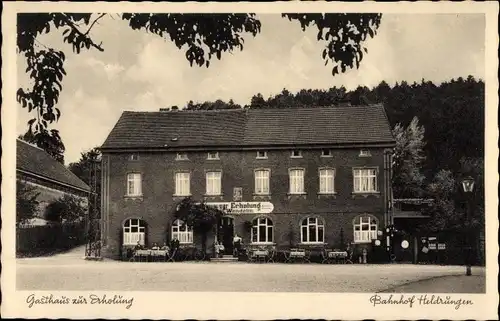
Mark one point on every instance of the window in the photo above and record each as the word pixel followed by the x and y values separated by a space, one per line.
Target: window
pixel 213 183
pixel 365 180
pixel 364 153
pixel 261 155
pixel 262 182
pixel 134 230
pixel 312 230
pixel 326 181
pixel 296 181
pixel 213 155
pixel 262 230
pixel 326 153
pixel 296 154
pixel 365 229
pixel 181 156
pixel 182 184
pixel 133 157
pixel 182 232
pixel 134 184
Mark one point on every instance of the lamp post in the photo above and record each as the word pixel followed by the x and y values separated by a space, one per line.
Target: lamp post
pixel 468 188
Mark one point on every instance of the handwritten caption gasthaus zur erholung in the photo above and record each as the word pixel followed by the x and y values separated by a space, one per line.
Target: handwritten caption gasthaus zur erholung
pixel 33 300
pixel 420 299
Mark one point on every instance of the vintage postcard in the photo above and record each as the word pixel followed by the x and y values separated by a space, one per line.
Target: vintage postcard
pixel 292 160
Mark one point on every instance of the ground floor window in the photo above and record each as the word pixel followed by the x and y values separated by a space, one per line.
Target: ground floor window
pixel 312 230
pixel 134 231
pixel 262 230
pixel 365 229
pixel 182 232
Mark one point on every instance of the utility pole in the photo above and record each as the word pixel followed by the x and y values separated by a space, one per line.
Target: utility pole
pixel 93 244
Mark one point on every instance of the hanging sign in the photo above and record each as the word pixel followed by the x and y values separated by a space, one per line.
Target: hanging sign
pixel 243 207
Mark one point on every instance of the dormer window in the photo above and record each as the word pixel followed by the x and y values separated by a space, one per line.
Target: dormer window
pixel 213 155
pixel 326 153
pixel 296 154
pixel 261 155
pixel 364 153
pixel 181 156
pixel 133 157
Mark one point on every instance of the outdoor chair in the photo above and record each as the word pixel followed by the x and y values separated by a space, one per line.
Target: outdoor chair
pixel 170 257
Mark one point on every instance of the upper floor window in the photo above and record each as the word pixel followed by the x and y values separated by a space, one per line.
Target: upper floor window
pixel 134 184
pixel 364 153
pixel 133 157
pixel 182 232
pixel 262 230
pixel 261 155
pixel 214 183
pixel 326 181
pixel 312 230
pixel 182 184
pixel 365 180
pixel 181 156
pixel 326 153
pixel 213 155
pixel 365 229
pixel 296 181
pixel 296 154
pixel 262 182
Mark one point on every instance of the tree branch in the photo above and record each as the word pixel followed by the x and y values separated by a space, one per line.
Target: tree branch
pixel 75 29
pixel 92 25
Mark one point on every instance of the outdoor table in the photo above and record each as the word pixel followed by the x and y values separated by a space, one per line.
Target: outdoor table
pixel 335 256
pixel 260 254
pixel 296 254
pixel 158 254
pixel 142 254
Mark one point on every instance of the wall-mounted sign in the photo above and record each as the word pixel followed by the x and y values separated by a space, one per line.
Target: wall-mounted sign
pixel 405 244
pixel 441 246
pixel 237 194
pixel 243 207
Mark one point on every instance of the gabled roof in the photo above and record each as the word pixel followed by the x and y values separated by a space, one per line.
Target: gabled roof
pixel 35 161
pixel 251 127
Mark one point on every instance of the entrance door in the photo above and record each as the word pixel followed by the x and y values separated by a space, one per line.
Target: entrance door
pixel 226 237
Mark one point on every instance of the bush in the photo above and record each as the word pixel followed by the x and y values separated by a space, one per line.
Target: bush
pixel 26 202
pixel 65 209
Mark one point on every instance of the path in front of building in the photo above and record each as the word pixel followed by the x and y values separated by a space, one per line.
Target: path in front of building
pixel 475 283
pixel 69 271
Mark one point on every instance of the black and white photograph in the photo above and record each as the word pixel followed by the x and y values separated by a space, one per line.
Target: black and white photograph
pixel 253 161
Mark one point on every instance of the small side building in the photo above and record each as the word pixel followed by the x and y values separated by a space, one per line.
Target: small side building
pixel 50 178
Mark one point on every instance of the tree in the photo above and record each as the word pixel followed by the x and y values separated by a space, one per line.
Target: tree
pixel 88 168
pixel 201 36
pixel 49 141
pixel 408 157
pixel 201 217
pixel 65 209
pixel 442 210
pixel 26 202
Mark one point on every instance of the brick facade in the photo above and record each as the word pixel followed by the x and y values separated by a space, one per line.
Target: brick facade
pixel 157 204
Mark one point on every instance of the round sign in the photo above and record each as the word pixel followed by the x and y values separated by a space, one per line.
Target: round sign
pixel 393 257
pixel 405 244
pixel 377 242
pixel 425 250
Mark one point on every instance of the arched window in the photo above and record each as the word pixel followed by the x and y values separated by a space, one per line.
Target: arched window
pixel 365 229
pixel 262 230
pixel 312 230
pixel 134 230
pixel 182 232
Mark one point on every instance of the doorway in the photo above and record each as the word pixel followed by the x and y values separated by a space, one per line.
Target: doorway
pixel 227 234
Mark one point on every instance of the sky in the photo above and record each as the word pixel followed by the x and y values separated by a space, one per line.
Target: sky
pixel 142 72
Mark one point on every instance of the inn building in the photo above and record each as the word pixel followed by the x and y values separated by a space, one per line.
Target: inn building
pixel 308 177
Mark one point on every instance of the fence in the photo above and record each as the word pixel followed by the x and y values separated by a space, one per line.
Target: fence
pixel 39 240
